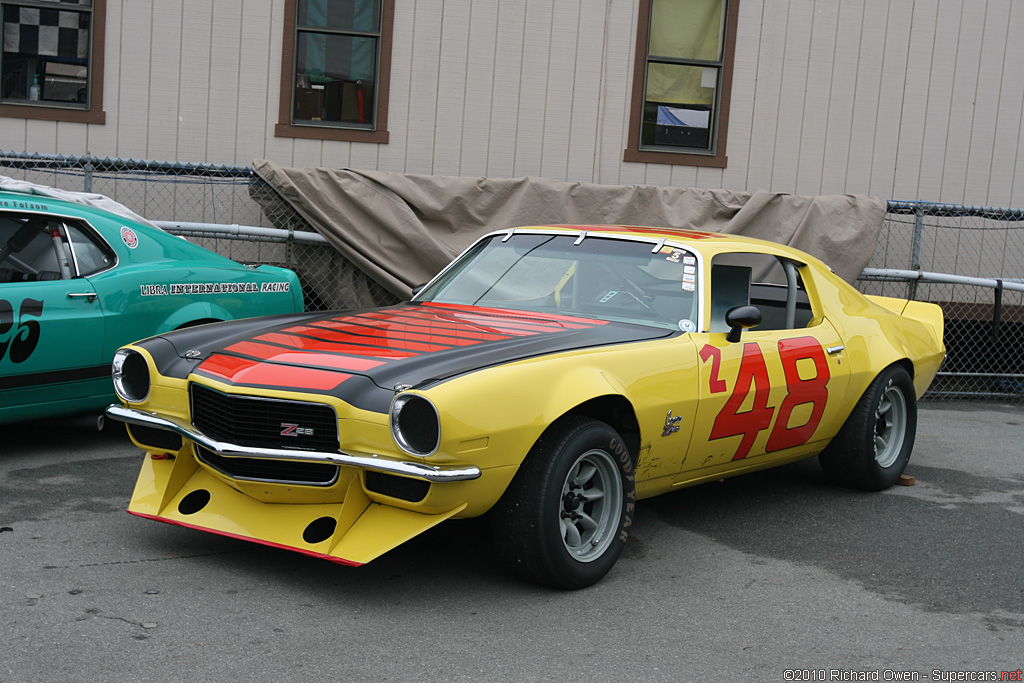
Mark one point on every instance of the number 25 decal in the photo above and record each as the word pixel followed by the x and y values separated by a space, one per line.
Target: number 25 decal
pixel 754 371
pixel 24 339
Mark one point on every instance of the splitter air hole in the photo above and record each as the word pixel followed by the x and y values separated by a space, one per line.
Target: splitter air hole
pixel 319 530
pixel 194 502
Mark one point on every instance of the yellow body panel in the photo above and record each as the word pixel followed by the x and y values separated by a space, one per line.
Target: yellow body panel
pixel 695 407
pixel 363 529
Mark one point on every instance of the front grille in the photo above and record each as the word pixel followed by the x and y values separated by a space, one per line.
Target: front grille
pixel 264 422
pixel 278 471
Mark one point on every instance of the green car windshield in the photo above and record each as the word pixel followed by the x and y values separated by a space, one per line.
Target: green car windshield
pixel 596 277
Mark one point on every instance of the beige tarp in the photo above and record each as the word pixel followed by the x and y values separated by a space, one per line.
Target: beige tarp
pixel 402 229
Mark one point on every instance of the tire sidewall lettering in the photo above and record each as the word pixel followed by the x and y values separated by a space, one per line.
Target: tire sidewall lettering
pixel 621 453
pixel 625 460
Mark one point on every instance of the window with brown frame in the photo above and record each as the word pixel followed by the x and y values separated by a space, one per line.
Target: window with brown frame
pixel 335 68
pixel 51 66
pixel 682 79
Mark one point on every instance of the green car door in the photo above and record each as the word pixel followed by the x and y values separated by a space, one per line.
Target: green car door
pixel 51 324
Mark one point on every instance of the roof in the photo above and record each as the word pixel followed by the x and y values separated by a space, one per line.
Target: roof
pixel 697 239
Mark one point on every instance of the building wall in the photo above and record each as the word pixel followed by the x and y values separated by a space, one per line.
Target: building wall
pixel 903 99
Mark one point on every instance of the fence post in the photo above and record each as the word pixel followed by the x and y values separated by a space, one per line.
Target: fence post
pixel 915 258
pixel 87 180
pixel 289 246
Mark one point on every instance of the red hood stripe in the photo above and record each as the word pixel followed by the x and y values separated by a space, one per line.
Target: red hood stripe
pixel 324 360
pixel 481 322
pixel 397 337
pixel 434 323
pixel 246 371
pixel 388 344
pixel 428 327
pixel 320 345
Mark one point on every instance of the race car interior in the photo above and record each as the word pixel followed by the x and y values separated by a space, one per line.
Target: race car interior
pixel 36 248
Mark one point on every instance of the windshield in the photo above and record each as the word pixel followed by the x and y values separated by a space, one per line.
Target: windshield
pixel 601 277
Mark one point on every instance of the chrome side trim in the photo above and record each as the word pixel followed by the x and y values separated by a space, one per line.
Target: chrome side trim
pixel 407 469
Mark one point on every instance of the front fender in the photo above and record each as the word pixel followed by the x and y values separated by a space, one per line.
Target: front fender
pixel 493 418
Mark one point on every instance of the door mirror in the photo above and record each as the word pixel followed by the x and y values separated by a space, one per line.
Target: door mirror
pixel 741 318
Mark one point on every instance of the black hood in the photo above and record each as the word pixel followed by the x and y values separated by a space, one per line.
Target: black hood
pixel 408 345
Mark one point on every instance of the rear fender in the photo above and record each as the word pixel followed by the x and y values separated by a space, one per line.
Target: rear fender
pixel 919 340
pixel 289 276
pixel 197 311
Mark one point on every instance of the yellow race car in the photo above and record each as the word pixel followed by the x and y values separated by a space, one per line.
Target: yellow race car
pixel 550 377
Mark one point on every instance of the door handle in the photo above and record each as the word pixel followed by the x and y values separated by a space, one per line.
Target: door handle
pixel 91 296
pixel 832 350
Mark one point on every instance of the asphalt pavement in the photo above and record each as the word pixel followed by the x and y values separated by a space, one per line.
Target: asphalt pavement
pixel 773 576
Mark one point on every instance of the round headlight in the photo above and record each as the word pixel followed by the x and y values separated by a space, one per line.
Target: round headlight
pixel 415 425
pixel 131 375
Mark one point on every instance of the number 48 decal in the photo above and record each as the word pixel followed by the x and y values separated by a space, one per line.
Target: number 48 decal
pixel 754 372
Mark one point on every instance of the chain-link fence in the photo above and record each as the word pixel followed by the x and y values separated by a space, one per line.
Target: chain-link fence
pixel 970 261
pixel 228 209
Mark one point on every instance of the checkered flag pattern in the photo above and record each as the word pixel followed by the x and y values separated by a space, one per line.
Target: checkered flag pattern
pixel 46 32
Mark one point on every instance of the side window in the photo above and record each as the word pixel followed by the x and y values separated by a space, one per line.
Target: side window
pixel 91 254
pixel 35 247
pixel 335 70
pixel 28 250
pixel 52 60
pixel 682 81
pixel 772 284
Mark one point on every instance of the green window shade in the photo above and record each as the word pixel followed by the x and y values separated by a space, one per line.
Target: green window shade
pixel 687 30
pixel 680 84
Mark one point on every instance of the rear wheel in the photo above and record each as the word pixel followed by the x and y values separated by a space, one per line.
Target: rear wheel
pixel 563 520
pixel 873 447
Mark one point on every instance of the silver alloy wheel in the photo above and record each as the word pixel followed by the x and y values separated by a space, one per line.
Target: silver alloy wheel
pixel 590 505
pixel 890 426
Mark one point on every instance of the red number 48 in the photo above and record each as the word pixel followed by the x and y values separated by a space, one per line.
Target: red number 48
pixel 753 374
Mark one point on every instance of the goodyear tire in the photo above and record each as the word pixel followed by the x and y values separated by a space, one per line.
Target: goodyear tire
pixel 564 519
pixel 873 447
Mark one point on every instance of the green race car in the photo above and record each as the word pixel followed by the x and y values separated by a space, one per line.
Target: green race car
pixel 77 282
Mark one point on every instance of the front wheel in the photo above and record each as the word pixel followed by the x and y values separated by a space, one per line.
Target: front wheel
pixel 873 447
pixel 563 521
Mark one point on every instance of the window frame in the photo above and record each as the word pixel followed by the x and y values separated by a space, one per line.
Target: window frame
pixel 54 112
pixel 286 128
pixel 716 157
pixel 767 273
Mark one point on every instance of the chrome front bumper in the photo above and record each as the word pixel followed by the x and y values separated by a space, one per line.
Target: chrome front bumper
pixel 375 463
